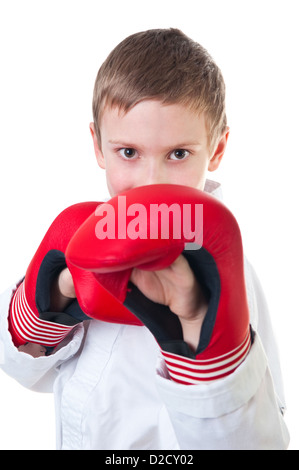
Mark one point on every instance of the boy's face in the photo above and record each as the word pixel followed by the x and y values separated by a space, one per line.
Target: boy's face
pixel 155 143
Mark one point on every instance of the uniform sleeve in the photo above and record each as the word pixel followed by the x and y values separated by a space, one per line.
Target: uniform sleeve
pixel 34 373
pixel 241 411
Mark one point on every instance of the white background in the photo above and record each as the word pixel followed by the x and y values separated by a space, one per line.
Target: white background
pixel 50 53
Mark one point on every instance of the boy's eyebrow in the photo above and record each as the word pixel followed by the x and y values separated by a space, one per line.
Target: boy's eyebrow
pixel 175 146
pixel 120 142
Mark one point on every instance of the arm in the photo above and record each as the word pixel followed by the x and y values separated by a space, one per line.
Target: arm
pixel 231 403
pixel 239 412
pixel 38 319
pixel 61 295
pixel 34 373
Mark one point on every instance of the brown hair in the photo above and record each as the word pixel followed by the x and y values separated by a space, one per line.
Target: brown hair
pixel 166 65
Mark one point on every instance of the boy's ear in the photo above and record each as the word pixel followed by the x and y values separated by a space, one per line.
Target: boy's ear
pixel 97 149
pixel 216 158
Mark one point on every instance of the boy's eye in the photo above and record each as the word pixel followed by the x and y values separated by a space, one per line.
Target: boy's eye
pixel 127 153
pixel 179 154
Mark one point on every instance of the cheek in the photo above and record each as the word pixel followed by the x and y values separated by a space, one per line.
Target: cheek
pixel 201 174
pixel 194 176
pixel 194 181
pixel 117 181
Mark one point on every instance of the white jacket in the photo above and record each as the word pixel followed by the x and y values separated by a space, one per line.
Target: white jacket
pixel 112 390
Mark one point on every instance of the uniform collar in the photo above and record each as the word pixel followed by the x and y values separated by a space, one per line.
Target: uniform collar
pixel 214 188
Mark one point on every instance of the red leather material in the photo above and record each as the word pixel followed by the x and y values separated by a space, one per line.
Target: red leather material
pixel 26 321
pixel 112 259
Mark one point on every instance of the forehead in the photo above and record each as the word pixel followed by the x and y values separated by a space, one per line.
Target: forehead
pixel 151 119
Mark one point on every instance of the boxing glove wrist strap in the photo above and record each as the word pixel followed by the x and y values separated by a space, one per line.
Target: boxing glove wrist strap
pixel 25 326
pixel 193 371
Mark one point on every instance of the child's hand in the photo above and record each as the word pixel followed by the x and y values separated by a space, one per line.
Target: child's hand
pixel 33 349
pixel 174 286
pixel 177 288
pixel 63 291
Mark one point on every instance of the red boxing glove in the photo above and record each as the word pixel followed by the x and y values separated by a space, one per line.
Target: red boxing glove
pixel 30 318
pixel 114 240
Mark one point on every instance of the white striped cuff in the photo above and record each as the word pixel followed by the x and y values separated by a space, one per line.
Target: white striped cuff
pixel 193 371
pixel 27 327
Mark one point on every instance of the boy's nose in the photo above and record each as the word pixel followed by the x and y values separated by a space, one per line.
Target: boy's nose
pixel 152 174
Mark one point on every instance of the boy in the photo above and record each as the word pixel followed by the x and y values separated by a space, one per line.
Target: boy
pixel 159 117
